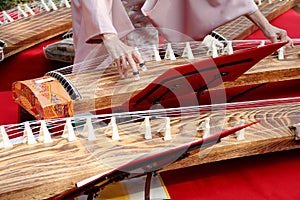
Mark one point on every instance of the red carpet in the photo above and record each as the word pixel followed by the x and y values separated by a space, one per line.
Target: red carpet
pixel 269 177
pixel 26 65
pixel 8 109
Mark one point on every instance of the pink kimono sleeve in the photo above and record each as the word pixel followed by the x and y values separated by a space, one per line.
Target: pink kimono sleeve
pixel 188 20
pixel 104 16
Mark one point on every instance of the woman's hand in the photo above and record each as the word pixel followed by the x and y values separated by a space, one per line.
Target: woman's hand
pixel 275 34
pixel 122 55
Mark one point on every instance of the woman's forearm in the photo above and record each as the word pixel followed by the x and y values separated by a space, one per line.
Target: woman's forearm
pixel 259 19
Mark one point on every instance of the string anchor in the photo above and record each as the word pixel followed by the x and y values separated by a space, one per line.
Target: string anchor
pixel 27 9
pixel 28 136
pixel 262 43
pixel 69 132
pixel 2 45
pixel 146 128
pixel 205 127
pixel 166 128
pixel 228 49
pixel 168 134
pixel 88 129
pixel 5 139
pixel 169 55
pixel 44 135
pixel 113 127
pixel 259 2
pixel 6 17
pixel 21 12
pixel 240 135
pixel 64 3
pixel 155 54
pixel 281 53
pixel 187 52
pixel 296 127
pixel 52 5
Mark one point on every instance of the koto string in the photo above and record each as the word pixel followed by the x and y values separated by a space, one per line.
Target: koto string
pixel 98 152
pixel 97 61
pixel 32 28
pixel 77 157
pixel 170 111
pixel 272 117
pixel 94 75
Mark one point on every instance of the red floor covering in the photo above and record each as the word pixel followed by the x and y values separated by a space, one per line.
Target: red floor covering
pixel 273 176
pixel 270 176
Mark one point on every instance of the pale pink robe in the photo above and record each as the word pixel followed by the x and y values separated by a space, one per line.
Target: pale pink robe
pixel 184 20
pixel 90 19
pixel 178 20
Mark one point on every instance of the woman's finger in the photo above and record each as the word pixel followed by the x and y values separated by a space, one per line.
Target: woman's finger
pixel 138 59
pixel 133 65
pixel 124 65
pixel 117 64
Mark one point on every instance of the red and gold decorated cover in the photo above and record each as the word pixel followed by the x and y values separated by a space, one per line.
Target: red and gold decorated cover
pixel 44 98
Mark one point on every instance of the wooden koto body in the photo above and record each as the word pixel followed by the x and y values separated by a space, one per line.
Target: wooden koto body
pixel 27 32
pixel 162 80
pixel 271 69
pixel 45 169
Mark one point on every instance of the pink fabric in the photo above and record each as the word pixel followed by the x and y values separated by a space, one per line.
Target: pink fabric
pixel 91 18
pixel 193 19
pixel 178 20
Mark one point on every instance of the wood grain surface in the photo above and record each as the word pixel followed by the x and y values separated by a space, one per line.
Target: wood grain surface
pixel 27 32
pixel 42 170
pixel 271 69
pixel 102 89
